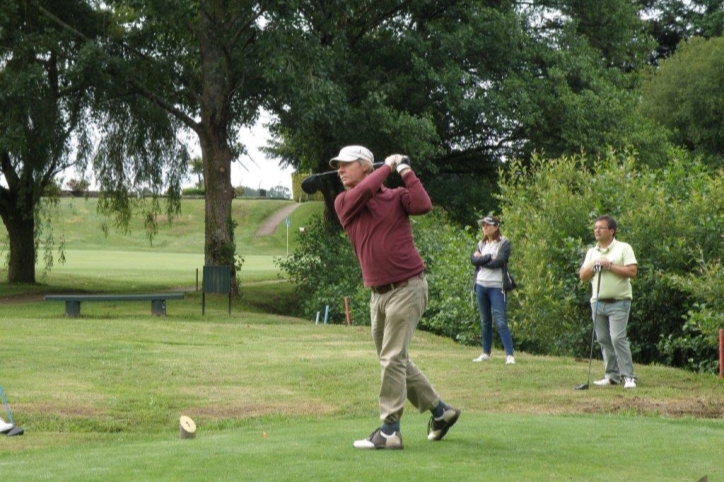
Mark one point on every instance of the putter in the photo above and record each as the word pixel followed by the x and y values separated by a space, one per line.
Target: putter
pixel 584 386
pixel 14 430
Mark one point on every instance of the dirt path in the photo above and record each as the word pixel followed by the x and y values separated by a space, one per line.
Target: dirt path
pixel 270 225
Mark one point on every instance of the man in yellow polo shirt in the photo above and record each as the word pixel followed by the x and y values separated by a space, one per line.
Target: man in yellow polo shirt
pixel 615 262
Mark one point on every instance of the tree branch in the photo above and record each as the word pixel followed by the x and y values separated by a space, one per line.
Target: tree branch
pixel 141 88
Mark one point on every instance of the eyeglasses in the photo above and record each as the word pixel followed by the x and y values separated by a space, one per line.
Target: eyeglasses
pixel 601 228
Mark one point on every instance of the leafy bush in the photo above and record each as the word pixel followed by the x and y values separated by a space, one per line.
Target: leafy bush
pixel 325 269
pixel 193 191
pixel 668 216
pixel 446 248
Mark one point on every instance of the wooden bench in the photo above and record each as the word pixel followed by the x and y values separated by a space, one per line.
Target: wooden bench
pixel 158 301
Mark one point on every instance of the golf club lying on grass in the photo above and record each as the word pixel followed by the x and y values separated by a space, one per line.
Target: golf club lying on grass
pixel 596 269
pixel 9 429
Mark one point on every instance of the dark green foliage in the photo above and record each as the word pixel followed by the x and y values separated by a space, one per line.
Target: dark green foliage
pixel 671 22
pixel 685 95
pixel 325 270
pixel 460 86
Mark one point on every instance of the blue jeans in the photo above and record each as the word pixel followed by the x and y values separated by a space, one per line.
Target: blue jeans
pixel 492 306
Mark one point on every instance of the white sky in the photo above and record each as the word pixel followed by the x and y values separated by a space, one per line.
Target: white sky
pixel 255 170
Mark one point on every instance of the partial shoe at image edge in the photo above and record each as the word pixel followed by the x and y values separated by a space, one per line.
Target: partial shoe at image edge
pixel 5 427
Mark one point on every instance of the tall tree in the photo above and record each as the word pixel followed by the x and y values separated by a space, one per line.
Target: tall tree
pixel 202 63
pixel 58 91
pixel 686 94
pixel 461 85
pixel 43 98
pixel 672 21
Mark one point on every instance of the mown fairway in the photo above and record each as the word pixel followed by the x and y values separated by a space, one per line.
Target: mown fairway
pixel 278 398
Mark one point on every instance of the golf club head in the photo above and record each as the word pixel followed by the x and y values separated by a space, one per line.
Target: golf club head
pixel 583 386
pixel 15 431
pixel 311 184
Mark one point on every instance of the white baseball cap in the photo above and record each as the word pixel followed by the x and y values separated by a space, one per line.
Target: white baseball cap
pixel 351 154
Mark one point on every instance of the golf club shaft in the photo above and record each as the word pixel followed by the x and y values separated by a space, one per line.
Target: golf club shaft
pixel 376 164
pixel 593 322
pixel 584 386
pixel 7 407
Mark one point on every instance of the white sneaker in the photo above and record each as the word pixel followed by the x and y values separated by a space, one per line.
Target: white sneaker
pixel 483 357
pixel 605 382
pixel 629 382
pixel 509 360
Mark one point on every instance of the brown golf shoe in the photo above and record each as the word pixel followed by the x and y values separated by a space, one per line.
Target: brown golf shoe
pixel 378 440
pixel 437 428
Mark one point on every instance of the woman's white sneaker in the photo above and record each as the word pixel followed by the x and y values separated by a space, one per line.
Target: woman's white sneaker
pixel 483 357
pixel 509 360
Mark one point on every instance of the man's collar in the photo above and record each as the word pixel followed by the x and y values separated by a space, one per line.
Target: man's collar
pixel 607 248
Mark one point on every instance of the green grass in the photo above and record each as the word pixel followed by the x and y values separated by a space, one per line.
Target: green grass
pixel 100 396
pixel 100 399
pixel 78 222
pixel 129 262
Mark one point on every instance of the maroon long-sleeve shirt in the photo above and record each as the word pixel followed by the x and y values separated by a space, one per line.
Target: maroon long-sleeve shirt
pixel 376 220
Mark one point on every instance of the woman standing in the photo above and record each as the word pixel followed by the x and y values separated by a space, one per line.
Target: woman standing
pixel 491 269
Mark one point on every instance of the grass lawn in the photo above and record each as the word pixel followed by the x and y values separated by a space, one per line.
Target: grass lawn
pixel 100 398
pixel 276 397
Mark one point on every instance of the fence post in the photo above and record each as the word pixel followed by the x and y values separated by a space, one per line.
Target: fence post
pixel 346 309
pixel 721 353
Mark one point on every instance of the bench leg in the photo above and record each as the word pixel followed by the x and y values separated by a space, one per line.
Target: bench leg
pixel 158 307
pixel 72 309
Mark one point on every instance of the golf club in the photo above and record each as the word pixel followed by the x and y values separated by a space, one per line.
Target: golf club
pixel 14 429
pixel 596 269
pixel 313 183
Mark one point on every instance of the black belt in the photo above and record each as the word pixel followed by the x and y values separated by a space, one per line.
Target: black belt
pixel 609 300
pixel 382 289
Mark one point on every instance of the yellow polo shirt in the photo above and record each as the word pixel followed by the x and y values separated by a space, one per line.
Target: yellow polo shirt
pixel 612 285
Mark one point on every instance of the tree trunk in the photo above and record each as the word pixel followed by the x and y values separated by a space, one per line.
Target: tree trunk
pixel 219 247
pixel 21 234
pixel 213 134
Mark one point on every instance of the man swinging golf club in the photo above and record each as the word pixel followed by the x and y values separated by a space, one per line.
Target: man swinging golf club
pixel 611 264
pixel 376 220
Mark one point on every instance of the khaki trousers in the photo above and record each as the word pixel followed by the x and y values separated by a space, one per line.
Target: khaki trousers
pixel 394 316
